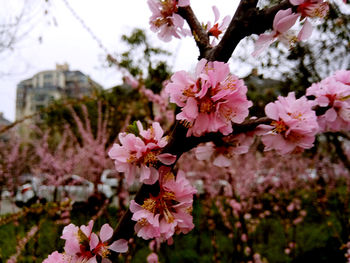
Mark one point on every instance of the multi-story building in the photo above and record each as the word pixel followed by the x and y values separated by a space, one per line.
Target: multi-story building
pixel 44 87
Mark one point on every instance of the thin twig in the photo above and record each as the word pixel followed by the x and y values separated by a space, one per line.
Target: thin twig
pixel 199 34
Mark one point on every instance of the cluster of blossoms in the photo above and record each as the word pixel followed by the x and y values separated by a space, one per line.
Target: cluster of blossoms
pixel 165 19
pixel 82 245
pixel 142 152
pixel 167 213
pixel 211 100
pixel 285 20
pixel 294 124
pixel 334 93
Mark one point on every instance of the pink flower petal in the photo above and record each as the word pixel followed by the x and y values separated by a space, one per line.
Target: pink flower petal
pixel 286 23
pixel 87 229
pixel 183 3
pixel 263 42
pixel 153 177
pixel 296 2
pixel 279 15
pixel 305 31
pixel 271 111
pixel 191 108
pixel 222 161
pixel 120 246
pixel 106 232
pixel 92 260
pixel 167 158
pixel 216 13
pixel 93 241
pixel 331 115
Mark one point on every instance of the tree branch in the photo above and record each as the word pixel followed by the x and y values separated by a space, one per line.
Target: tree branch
pixel 246 21
pixel 200 35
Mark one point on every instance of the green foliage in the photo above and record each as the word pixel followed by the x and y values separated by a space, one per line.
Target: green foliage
pixel 141 57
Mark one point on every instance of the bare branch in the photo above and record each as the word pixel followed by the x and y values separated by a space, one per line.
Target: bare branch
pixel 200 35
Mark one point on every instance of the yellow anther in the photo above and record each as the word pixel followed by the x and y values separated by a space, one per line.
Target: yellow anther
pixel 150 205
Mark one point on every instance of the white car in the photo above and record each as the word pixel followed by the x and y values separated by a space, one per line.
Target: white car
pixel 24 193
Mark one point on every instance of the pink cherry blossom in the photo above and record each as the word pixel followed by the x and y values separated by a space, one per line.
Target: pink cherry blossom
pixel 165 20
pixel 218 28
pixel 282 22
pixel 294 124
pixel 82 245
pixel 169 212
pixel 99 244
pixel 211 100
pixel 333 92
pixel 77 241
pixel 141 153
pixel 311 8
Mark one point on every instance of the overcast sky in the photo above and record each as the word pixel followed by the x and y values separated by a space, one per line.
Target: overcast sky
pixel 64 39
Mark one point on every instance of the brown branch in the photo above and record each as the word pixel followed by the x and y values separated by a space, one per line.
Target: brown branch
pixel 10 126
pixel 200 35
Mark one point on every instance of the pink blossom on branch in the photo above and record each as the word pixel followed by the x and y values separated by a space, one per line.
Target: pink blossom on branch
pixel 211 100
pixel 311 8
pixel 333 92
pixel 141 153
pixel 165 19
pixel 217 28
pixel 294 124
pixel 82 245
pixel 282 23
pixel 169 212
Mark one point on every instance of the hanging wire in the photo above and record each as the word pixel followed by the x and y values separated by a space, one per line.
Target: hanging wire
pixel 110 58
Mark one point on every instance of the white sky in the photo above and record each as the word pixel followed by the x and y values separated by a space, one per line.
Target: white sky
pixel 70 42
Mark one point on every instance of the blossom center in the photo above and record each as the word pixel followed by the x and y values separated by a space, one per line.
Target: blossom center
pixel 280 126
pixel 206 105
pixel 150 159
pixel 150 205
